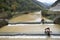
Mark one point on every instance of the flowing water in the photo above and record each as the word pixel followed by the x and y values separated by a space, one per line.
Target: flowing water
pixel 29 28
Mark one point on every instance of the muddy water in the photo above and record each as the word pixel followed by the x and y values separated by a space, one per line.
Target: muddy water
pixel 31 17
pixel 29 28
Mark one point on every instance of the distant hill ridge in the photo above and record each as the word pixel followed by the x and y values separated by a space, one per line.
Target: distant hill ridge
pixel 44 5
pixel 58 1
pixel 19 5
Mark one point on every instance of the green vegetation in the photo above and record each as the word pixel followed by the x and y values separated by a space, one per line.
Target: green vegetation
pixel 10 8
pixel 3 23
pixel 49 14
pixel 18 5
pixel 53 14
pixel 57 21
pixel 45 13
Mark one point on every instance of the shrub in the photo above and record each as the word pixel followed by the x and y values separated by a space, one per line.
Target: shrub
pixel 3 23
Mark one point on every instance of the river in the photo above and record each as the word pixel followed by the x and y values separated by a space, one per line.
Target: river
pixel 29 28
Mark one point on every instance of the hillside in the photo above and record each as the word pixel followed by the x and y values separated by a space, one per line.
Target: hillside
pixel 58 1
pixel 18 5
pixel 42 4
pixel 11 8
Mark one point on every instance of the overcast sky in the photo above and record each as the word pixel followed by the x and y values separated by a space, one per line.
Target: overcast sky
pixel 48 1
